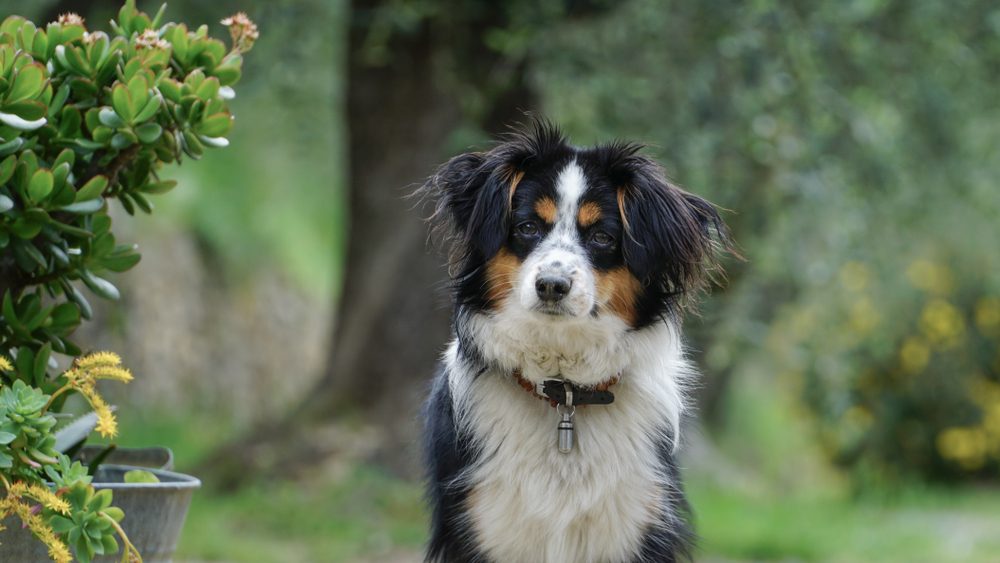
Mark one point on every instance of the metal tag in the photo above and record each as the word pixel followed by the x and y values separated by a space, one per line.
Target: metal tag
pixel 565 430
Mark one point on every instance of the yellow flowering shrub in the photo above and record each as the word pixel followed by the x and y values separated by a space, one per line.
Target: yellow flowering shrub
pixel 902 372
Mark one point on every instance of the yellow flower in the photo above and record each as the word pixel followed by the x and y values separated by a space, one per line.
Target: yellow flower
pixel 76 377
pixel 84 374
pixel 107 426
pixel 13 504
pixel 41 494
pixel 97 359
pixel 854 276
pixel 914 354
pixel 49 499
pixel 59 553
pixel 111 372
pixel 930 277
pixel 982 391
pixel 5 364
pixel 864 317
pixel 99 365
pixel 988 314
pixel 991 419
pixel 966 446
pixel 942 323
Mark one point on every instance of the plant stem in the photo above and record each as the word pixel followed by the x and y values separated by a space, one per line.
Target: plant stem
pixel 58 392
pixel 114 167
pixel 10 281
pixel 128 547
pixel 16 282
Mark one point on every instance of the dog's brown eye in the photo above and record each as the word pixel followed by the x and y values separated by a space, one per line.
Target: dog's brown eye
pixel 602 239
pixel 527 229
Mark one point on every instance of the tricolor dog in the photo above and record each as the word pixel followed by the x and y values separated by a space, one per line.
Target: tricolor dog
pixel 553 420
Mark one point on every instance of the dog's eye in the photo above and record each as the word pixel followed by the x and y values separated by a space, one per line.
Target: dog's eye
pixel 527 229
pixel 602 239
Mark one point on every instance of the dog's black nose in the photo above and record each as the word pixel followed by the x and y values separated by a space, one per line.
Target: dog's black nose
pixel 552 288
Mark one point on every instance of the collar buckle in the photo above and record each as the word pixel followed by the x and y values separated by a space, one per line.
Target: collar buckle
pixel 563 392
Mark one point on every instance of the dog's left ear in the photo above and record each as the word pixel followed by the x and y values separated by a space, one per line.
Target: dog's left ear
pixel 672 237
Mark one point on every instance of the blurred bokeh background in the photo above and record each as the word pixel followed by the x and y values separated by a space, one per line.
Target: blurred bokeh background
pixel 287 310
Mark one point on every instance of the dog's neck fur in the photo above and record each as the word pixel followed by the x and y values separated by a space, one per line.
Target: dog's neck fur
pixel 585 351
pixel 528 502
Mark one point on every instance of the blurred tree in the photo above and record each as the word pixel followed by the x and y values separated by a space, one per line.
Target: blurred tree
pixel 848 137
pixel 856 142
pixel 424 80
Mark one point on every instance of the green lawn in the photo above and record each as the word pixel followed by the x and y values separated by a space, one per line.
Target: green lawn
pixel 352 513
pixel 916 525
pixel 358 513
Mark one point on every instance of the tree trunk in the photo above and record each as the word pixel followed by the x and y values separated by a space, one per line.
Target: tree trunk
pixel 393 320
pixel 393 316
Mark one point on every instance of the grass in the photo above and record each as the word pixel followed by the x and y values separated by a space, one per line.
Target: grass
pixel 363 514
pixel 352 513
pixel 358 513
pixel 914 525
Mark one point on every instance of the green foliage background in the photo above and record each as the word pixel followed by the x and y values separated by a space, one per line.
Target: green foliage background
pixel 855 143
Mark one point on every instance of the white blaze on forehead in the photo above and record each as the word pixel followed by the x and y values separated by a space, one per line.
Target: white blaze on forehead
pixel 570 186
pixel 561 252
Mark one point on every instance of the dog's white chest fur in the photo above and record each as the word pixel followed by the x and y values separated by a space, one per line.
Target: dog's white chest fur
pixel 528 502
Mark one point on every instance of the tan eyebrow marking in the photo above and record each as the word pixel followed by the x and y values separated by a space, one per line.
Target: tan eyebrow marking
pixel 589 214
pixel 514 181
pixel 621 208
pixel 546 209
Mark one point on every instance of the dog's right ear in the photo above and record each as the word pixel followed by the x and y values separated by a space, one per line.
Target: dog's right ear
pixel 471 195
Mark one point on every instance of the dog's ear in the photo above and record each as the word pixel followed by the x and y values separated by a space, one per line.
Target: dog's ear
pixel 473 192
pixel 472 200
pixel 672 238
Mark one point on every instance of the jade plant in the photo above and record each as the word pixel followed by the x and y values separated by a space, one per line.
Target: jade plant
pixel 86 118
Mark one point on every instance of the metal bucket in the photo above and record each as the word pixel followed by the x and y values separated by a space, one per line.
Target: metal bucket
pixel 154 516
pixel 156 457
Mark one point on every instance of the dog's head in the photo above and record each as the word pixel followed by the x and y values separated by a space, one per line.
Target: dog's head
pixel 572 233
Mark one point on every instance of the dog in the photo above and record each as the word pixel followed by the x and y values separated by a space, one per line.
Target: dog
pixel 552 421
